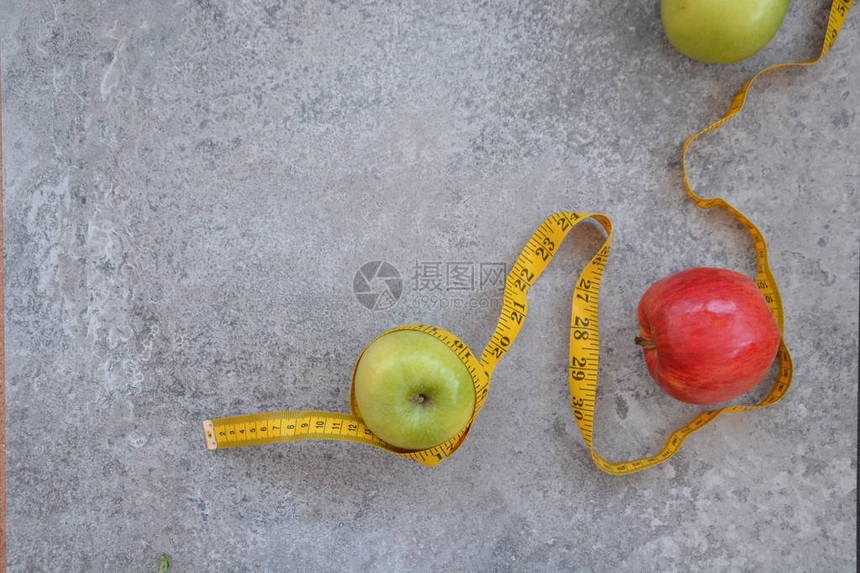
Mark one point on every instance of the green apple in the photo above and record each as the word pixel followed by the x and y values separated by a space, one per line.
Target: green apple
pixel 412 390
pixel 722 31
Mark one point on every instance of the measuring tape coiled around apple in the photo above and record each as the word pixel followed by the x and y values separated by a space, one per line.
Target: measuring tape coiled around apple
pixel 584 334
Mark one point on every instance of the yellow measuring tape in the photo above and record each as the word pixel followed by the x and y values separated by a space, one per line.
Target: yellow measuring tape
pixel 584 335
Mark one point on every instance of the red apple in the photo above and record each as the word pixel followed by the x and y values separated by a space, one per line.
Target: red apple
pixel 707 334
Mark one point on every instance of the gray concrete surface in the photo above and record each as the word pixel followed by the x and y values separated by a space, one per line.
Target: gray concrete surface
pixel 192 186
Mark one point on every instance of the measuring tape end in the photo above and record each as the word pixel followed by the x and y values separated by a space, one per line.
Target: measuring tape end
pixel 209 433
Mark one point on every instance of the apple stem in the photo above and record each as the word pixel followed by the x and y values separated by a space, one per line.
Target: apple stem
pixel 418 398
pixel 644 342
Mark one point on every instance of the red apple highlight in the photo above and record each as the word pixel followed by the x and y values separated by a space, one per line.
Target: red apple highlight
pixel 707 334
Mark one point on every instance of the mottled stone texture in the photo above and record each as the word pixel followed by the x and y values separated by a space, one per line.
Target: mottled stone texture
pixel 191 187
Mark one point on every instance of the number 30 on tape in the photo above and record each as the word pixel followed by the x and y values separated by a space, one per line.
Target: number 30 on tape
pixel 584 334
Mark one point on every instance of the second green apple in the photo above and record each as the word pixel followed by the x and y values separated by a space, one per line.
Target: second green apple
pixel 722 31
